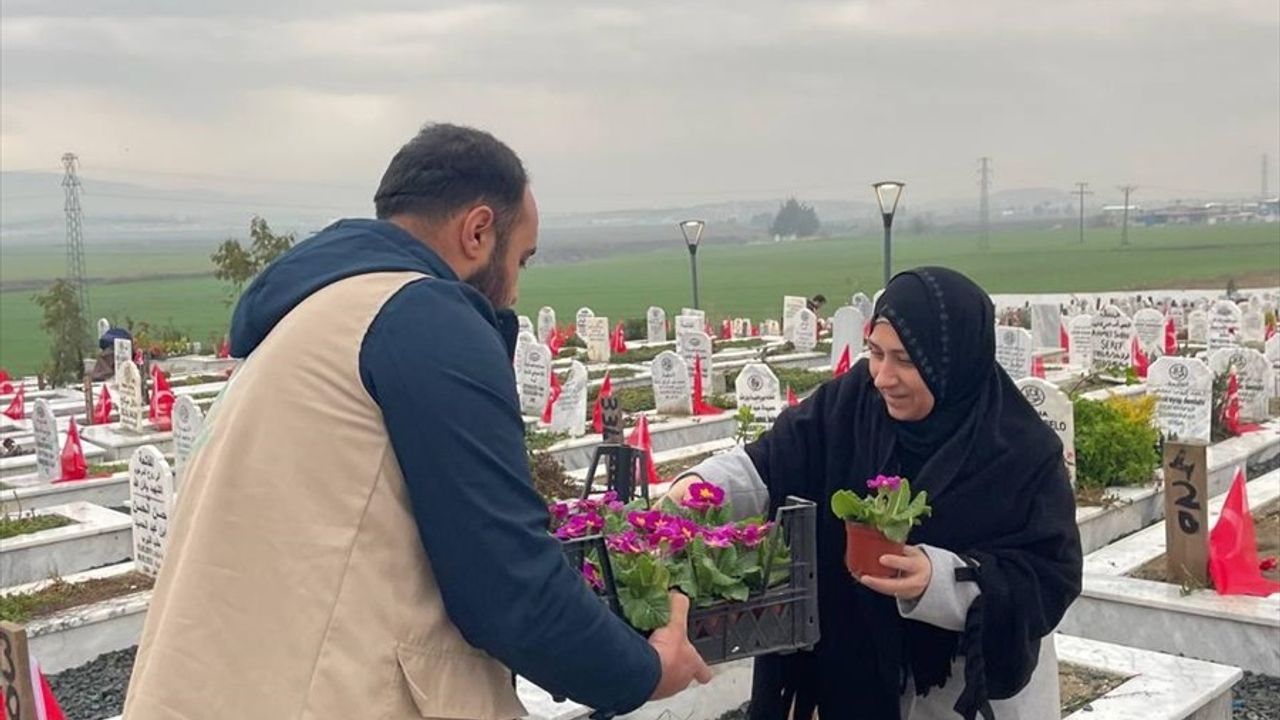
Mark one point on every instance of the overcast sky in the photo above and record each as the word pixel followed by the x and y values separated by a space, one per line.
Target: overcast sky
pixel 644 103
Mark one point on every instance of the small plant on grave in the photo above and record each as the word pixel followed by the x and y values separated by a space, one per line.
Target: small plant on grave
pixel 1219 430
pixel 878 523
pixel 549 477
pixel 691 547
pixel 24 522
pixel 630 399
pixel 576 342
pixel 748 429
pixel 535 440
pixel 1115 442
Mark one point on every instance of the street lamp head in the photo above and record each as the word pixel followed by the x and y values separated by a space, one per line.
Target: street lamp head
pixel 692 230
pixel 887 194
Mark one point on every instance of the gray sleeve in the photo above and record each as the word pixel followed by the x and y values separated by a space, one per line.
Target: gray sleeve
pixel 736 474
pixel 945 603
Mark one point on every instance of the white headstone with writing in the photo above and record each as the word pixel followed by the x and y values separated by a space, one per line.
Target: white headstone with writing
pixel 123 352
pixel 846 331
pixel 526 325
pixel 694 347
pixel 1253 325
pixel 791 307
pixel 1179 318
pixel 1080 332
pixel 103 326
pixel 701 316
pixel 1112 339
pixel 686 324
pixel 546 323
pixel 581 321
pixel 133 415
pixel 1015 349
pixel 758 388
pixel 188 420
pixel 597 339
pixel 738 328
pixel 1148 326
pixel 48 451
pixel 656 319
pixel 1225 321
pixel 151 503
pixel 805 330
pixel 1254 377
pixel 1046 325
pixel 863 305
pixel 533 378
pixel 1183 388
pixel 1057 412
pixel 569 413
pixel 523 338
pixel 774 329
pixel 672 391
pixel 1198 327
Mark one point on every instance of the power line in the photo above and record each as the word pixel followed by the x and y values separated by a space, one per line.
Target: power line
pixel 75 236
pixel 1082 189
pixel 1124 228
pixel 984 203
pixel 1265 176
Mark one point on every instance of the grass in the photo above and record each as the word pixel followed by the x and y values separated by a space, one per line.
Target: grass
pixel 60 595
pixel 735 280
pixel 27 524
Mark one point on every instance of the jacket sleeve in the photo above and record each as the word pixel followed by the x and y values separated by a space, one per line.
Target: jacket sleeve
pixel 437 367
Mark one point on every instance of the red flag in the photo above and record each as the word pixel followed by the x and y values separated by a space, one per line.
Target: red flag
pixel 551 398
pixel 6 384
pixel 1140 360
pixel 162 399
pixel 102 410
pixel 1170 337
pixel 73 464
pixel 224 350
pixel 17 409
pixel 639 438
pixel 842 366
pixel 700 406
pixel 1271 331
pixel 1231 408
pixel 792 401
pixel 755 331
pixel 49 708
pixel 726 329
pixel 1233 548
pixel 1064 341
pixel 555 342
pixel 1037 367
pixel 597 412
pixel 618 345
pixel 706 328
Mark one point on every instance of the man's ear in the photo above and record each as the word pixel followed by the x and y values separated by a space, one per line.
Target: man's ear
pixel 477 233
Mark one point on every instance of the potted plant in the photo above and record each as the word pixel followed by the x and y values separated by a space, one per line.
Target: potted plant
pixel 878 524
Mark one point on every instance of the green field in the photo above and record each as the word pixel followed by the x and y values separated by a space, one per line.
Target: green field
pixel 738 280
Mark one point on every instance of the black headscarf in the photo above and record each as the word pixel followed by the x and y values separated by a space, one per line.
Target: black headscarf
pixel 1001 499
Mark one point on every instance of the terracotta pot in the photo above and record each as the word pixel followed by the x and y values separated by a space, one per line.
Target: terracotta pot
pixel 862 550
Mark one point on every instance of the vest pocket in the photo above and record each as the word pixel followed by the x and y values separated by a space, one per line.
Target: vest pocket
pixel 458 685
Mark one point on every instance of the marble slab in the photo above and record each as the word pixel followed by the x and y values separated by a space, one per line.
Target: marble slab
pixel 26 464
pixel 97 537
pixel 667 434
pixel 110 491
pixel 119 443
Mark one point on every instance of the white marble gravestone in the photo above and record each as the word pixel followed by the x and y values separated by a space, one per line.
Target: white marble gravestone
pixel 1198 327
pixel 1080 332
pixel 1057 411
pixel 151 504
pixel 1112 339
pixel 1015 349
pixel 672 392
pixel 805 330
pixel 1225 321
pixel 1046 325
pixel 1183 388
pixel 863 305
pixel 533 378
pixel 188 420
pixel 758 388
pixel 569 413
pixel 546 323
pixel 580 319
pixel 133 414
pixel 697 346
pixel 846 331
pixel 1253 327
pixel 48 452
pixel 656 320
pixel 1148 326
pixel 791 307
pixel 103 326
pixel 597 339
pixel 1254 378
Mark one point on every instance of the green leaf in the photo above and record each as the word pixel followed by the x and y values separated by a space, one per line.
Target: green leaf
pixel 847 506
pixel 737 592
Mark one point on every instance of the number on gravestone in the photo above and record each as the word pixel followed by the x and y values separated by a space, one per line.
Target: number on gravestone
pixel 1186 521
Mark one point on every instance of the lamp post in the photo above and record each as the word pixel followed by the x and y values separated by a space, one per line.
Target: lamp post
pixel 887 194
pixel 692 231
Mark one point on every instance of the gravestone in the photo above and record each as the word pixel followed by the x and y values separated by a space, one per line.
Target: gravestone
pixel 1254 378
pixel 546 323
pixel 1046 325
pixel 1057 412
pixel 1080 330
pixel 1179 318
pixel 686 324
pixel 1253 327
pixel 1186 499
pixel 791 307
pixel 533 378
pixel 1183 388
pixel 699 315
pixel 569 413
pixel 672 391
pixel 737 328
pixel 759 389
pixel 863 305
pixel 103 326
pixel 523 339
pixel 1112 339
pixel 846 331
pixel 133 412
pixel 1257 303
pixel 1198 327
pixel 1015 349
pixel 805 330
pixel 123 352
pixel 1148 326
pixel 656 318
pixel 526 325
pixel 48 452
pixel 597 339
pixel 151 503
pixel 693 346
pixel 774 329
pixel 188 420
pixel 1225 320
pixel 580 321
pixel 1272 349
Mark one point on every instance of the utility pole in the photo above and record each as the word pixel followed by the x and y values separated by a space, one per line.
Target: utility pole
pixel 1124 229
pixel 984 203
pixel 1082 189
pixel 75 238
pixel 1265 176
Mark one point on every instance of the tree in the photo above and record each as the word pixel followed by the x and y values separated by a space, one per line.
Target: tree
pixel 795 219
pixel 236 265
pixel 64 321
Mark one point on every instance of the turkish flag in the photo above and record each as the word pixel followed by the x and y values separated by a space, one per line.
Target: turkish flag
pixel 842 367
pixel 73 464
pixel 17 409
pixel 1233 548
pixel 556 389
pixel 639 438
pixel 597 412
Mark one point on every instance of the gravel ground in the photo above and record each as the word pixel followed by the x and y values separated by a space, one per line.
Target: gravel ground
pixel 1257 697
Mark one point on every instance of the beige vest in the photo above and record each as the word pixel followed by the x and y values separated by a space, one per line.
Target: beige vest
pixel 295 585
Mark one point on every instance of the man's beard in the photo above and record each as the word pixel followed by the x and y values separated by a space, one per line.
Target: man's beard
pixel 491 279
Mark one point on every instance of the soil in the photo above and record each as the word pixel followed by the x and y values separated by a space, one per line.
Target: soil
pixel 62 595
pixel 675 467
pixel 1081 686
pixel 1266 526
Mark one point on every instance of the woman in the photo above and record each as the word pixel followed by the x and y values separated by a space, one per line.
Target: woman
pixel 984 580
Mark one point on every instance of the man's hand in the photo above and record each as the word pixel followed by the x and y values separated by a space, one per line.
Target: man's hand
pixel 914 573
pixel 679 489
pixel 681 664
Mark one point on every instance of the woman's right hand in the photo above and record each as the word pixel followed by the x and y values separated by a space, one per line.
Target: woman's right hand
pixel 679 489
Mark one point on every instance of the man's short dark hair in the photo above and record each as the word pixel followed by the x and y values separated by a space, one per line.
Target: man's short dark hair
pixel 819 298
pixel 447 168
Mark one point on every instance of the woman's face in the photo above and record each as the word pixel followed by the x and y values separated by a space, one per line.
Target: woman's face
pixel 900 384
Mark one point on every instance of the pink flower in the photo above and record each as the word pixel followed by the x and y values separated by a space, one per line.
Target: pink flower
pixel 703 496
pixel 646 521
pixel 580 526
pixel 559 511
pixel 628 543
pixel 609 497
pixel 884 481
pixel 721 537
pixel 754 534
pixel 592 575
pixel 615 506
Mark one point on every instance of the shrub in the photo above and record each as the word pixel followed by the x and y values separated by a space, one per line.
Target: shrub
pixel 1116 443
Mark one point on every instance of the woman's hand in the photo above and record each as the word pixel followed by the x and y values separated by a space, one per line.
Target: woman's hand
pixel 679 489
pixel 914 573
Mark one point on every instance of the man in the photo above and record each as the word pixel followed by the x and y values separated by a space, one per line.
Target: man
pixel 356 534
pixel 816 303
pixel 104 368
